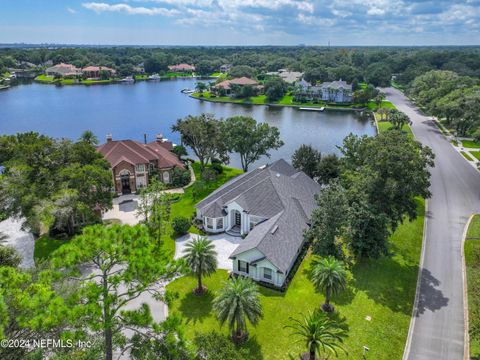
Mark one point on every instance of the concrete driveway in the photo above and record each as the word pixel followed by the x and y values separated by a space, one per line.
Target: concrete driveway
pixel 224 246
pixel 437 327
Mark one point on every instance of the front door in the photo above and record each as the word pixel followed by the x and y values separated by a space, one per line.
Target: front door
pixel 125 179
pixel 238 218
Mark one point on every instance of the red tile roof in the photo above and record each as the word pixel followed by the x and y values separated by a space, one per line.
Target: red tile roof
pixel 135 152
pixel 237 81
pixel 182 67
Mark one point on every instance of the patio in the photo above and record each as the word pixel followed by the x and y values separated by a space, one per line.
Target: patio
pixel 224 246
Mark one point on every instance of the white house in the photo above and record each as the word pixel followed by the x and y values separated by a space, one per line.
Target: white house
pixel 270 207
pixel 335 91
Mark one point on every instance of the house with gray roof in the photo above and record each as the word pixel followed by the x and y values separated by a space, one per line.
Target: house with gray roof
pixel 335 91
pixel 270 207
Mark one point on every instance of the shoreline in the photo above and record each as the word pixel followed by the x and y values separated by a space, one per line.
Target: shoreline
pixel 327 107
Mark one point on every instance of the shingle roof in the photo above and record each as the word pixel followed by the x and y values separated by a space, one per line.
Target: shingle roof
pixel 279 193
pixel 137 153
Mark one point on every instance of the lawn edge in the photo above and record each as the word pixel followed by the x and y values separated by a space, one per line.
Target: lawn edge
pixel 408 343
pixel 466 342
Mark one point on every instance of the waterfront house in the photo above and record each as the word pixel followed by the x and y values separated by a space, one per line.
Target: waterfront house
pixel 288 76
pixel 335 91
pixel 187 68
pixel 270 207
pixel 227 85
pixel 133 162
pixel 94 72
pixel 63 70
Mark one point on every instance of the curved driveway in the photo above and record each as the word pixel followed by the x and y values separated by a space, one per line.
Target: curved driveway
pixel 437 329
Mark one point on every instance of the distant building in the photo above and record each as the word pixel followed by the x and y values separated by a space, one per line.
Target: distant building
pixel 225 68
pixel 181 68
pixel 133 162
pixel 226 85
pixel 63 70
pixel 286 75
pixel 335 91
pixel 94 72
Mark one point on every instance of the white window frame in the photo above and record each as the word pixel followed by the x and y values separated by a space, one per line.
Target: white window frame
pixel 265 275
pixel 209 223
pixel 219 224
pixel 242 262
pixel 140 168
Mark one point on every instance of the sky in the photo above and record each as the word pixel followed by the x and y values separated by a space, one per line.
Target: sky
pixel 241 22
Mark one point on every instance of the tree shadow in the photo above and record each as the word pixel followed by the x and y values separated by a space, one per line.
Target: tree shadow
pixel 252 350
pixel 430 297
pixel 387 282
pixel 128 206
pixel 195 308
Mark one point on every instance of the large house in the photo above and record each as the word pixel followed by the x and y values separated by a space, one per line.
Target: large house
pixel 270 207
pixel 226 85
pixel 181 68
pixel 288 76
pixel 94 72
pixel 63 70
pixel 335 91
pixel 133 162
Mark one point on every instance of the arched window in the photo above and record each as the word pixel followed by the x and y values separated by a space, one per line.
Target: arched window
pixel 166 177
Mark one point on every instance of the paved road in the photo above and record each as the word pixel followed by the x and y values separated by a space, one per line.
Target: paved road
pixel 438 325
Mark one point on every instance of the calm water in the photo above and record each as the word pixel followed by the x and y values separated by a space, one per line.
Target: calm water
pixel 129 111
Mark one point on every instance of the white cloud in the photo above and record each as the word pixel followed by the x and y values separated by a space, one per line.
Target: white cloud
pixel 103 7
pixel 375 11
pixel 71 11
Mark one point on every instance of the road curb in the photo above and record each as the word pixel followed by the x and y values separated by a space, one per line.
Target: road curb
pixel 466 342
pixel 406 351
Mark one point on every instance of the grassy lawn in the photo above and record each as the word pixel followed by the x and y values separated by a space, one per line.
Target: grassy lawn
pixel 383 289
pixel 386 125
pixel 470 144
pixel 44 246
pixel 51 80
pixel 44 78
pixel 476 154
pixel 141 77
pixel 472 262
pixel 466 156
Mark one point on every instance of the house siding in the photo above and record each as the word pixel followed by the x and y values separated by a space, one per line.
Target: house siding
pixel 256 270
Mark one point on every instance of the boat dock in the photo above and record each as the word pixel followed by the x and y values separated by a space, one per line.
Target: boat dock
pixel 312 109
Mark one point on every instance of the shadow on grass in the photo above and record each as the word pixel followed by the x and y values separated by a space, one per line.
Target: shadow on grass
pixel 267 292
pixel 252 350
pixel 387 282
pixel 194 308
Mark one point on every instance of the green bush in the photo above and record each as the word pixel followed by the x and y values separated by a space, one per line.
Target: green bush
pixel 181 224
pixel 218 168
pixel 209 175
pixel 180 177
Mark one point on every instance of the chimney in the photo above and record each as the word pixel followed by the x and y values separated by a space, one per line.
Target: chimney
pixel 145 139
pixel 109 137
pixel 159 138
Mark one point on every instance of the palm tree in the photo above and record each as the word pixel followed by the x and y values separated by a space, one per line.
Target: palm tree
pixel 201 87
pixel 330 277
pixel 320 334
pixel 201 257
pixel 237 302
pixel 89 137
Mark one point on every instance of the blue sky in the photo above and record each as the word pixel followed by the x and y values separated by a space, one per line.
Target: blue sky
pixel 241 22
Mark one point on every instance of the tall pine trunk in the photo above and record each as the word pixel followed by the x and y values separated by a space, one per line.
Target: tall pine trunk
pixel 107 326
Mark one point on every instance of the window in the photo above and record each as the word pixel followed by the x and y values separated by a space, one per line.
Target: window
pixel 243 266
pixel 209 223
pixel 267 273
pixel 140 167
pixel 166 177
pixel 219 223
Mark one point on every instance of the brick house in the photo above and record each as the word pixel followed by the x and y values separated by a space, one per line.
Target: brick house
pixel 133 162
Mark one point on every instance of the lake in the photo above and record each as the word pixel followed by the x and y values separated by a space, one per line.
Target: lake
pixel 129 111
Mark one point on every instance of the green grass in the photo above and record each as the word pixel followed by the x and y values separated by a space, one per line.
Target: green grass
pixel 141 77
pixel 385 104
pixel 44 246
pixel 44 78
pixel 472 262
pixel 471 144
pixel 466 156
pixel 476 154
pixel 386 125
pixel 383 289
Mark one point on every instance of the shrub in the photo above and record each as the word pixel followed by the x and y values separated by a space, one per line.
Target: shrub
pixel 9 256
pixel 218 168
pixel 181 224
pixel 209 175
pixel 180 177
